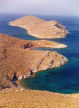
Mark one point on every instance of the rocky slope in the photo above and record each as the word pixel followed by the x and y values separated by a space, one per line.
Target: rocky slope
pixel 17 56
pixel 41 28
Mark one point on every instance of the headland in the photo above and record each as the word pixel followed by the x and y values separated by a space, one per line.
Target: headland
pixel 17 56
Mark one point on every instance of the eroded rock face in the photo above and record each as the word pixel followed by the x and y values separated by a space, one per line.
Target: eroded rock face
pixel 14 58
pixel 41 28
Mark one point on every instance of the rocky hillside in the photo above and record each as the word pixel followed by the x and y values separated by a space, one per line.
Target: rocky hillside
pixel 17 56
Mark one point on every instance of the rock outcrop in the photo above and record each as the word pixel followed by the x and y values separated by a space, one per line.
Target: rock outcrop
pixel 41 28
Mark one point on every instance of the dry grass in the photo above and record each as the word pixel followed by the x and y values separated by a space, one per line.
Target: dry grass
pixel 21 98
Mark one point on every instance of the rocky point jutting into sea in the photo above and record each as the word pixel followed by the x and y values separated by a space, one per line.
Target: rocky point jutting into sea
pixel 17 56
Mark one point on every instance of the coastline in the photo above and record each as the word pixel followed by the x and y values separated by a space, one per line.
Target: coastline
pixel 46 61
pixel 35 98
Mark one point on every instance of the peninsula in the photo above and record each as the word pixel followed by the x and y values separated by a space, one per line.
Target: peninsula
pixel 41 28
pixel 17 56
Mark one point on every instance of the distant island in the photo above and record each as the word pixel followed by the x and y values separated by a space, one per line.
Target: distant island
pixel 41 28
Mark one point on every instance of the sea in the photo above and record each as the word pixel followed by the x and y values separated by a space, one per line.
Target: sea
pixel 64 79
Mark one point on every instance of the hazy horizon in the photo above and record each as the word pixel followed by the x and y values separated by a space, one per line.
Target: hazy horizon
pixel 40 7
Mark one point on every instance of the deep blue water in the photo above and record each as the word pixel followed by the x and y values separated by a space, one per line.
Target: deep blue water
pixel 64 79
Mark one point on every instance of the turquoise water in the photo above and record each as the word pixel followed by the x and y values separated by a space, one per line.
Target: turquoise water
pixel 61 80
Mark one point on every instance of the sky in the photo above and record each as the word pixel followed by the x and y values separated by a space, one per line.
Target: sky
pixel 42 7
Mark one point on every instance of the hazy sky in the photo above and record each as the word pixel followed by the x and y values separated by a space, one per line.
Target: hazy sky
pixel 46 7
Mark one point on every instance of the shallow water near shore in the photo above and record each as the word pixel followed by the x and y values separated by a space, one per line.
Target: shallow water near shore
pixel 61 80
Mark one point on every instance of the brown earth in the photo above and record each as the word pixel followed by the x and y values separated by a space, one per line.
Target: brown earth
pixel 41 28
pixel 17 56
pixel 21 98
